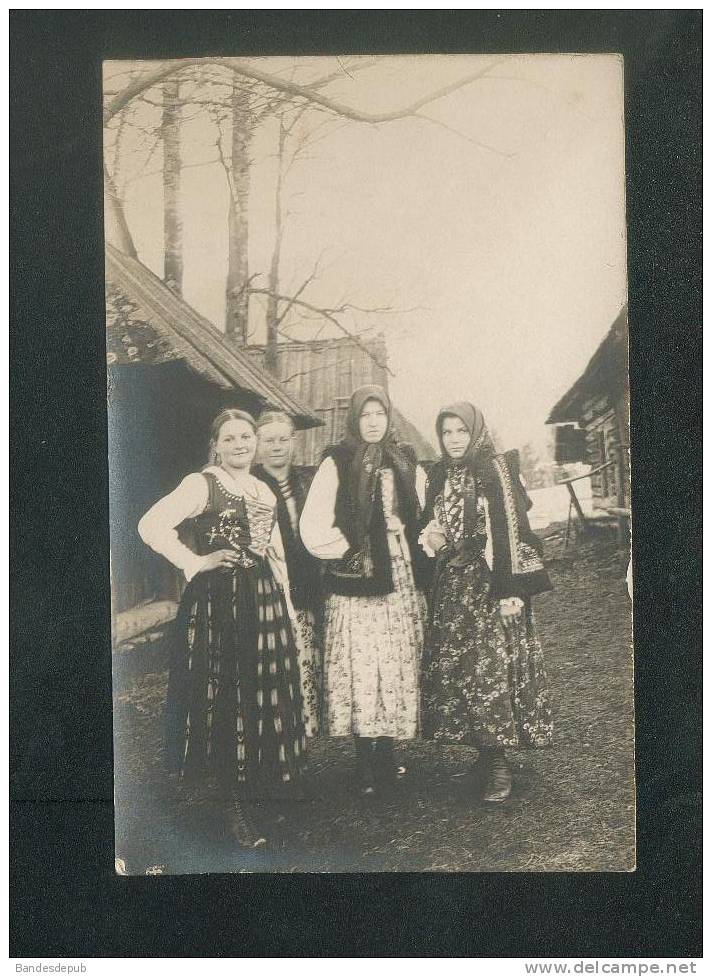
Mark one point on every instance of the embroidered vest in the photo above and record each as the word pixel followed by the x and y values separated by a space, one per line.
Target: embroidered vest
pixel 354 575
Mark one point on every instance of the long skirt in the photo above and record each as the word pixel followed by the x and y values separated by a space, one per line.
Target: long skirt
pixel 234 709
pixel 372 651
pixel 307 635
pixel 483 684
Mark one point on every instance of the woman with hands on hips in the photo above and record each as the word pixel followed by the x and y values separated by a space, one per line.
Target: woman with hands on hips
pixel 234 714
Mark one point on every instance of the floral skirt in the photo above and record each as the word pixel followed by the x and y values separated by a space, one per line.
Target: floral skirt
pixel 234 709
pixel 483 684
pixel 309 651
pixel 372 651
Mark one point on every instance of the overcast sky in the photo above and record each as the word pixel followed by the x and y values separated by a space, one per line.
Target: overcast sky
pixel 501 246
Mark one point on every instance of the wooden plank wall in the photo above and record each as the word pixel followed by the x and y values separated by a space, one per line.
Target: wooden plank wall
pixel 606 428
pixel 324 375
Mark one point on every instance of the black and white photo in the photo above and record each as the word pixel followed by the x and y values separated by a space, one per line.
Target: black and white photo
pixel 369 457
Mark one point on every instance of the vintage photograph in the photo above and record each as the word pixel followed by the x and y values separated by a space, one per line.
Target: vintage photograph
pixel 369 455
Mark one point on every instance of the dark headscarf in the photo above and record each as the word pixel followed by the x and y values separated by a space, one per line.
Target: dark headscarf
pixel 366 459
pixel 366 570
pixel 359 398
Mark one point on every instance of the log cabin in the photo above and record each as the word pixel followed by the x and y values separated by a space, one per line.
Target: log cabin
pixel 593 422
pixel 170 371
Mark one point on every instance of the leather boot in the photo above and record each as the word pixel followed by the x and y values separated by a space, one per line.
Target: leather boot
pixel 498 782
pixel 242 827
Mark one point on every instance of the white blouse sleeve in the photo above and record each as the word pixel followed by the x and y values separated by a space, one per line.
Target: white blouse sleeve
pixel 278 565
pixel 316 526
pixel 158 527
pixel 421 484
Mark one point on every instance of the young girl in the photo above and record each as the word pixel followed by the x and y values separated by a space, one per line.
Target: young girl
pixel 234 707
pixel 290 484
pixel 484 683
pixel 360 518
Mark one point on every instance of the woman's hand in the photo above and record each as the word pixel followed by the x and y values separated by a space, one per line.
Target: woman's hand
pixel 436 539
pixel 432 539
pixel 510 610
pixel 219 560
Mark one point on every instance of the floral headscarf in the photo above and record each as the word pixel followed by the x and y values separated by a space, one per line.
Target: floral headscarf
pixel 469 475
pixel 480 449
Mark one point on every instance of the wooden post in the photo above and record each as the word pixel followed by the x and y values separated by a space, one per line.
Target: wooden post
pixel 567 534
pixel 577 505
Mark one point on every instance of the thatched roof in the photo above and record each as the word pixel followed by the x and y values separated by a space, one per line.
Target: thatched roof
pixel 606 373
pixel 162 326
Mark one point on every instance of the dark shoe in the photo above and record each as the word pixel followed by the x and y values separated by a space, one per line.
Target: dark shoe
pixel 242 828
pixel 498 785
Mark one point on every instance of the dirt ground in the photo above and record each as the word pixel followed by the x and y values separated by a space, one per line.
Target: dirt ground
pixel 572 807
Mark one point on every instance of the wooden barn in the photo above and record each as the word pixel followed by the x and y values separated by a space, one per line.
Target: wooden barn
pixel 323 374
pixel 170 372
pixel 593 422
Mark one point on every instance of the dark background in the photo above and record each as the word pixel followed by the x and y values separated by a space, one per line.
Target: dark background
pixel 65 899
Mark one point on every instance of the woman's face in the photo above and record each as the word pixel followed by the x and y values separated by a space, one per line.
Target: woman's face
pixel 373 421
pixel 455 437
pixel 236 444
pixel 275 444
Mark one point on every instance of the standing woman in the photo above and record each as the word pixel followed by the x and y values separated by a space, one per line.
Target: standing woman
pixel 484 683
pixel 290 484
pixel 234 708
pixel 361 518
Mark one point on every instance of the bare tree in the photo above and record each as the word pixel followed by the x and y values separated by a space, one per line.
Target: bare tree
pixel 247 85
pixel 286 158
pixel 295 142
pixel 327 315
pixel 172 220
pixel 272 314
pixel 115 217
pixel 238 227
pixel 309 93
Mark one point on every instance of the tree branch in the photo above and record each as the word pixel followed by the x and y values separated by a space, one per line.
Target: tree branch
pixel 184 166
pixel 309 92
pixel 463 135
pixel 326 314
pixel 292 300
pixel 313 369
pixel 376 310
pixel 228 172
